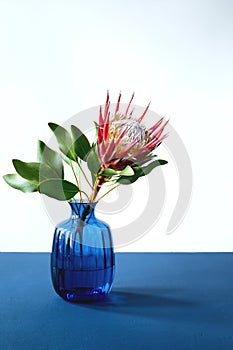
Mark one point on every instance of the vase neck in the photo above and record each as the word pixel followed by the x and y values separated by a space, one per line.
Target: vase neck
pixel 84 211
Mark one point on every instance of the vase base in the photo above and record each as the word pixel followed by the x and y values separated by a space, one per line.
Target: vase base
pixel 84 294
pixel 83 285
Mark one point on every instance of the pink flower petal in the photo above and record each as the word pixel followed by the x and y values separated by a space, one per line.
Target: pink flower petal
pixel 110 150
pixel 127 109
pixel 106 128
pixel 157 133
pixel 144 113
pixel 124 152
pixel 118 103
pixel 154 127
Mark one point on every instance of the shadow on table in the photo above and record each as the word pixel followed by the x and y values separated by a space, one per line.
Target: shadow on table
pixel 148 303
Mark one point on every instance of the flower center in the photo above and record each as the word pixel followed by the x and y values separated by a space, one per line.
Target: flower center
pixel 134 130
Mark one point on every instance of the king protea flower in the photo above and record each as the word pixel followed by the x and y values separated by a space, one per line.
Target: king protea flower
pixel 124 140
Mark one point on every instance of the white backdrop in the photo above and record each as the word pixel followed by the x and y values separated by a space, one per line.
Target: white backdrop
pixel 59 58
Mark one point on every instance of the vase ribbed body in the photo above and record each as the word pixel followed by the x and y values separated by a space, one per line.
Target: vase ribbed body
pixel 82 258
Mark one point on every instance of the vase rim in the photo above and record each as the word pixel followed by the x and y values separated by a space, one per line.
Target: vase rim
pixel 83 210
pixel 84 202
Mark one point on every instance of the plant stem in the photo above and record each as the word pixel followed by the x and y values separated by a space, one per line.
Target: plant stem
pixel 113 188
pixel 84 175
pixel 76 179
pixel 84 193
pixel 98 183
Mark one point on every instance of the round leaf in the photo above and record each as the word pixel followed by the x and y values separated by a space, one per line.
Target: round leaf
pixel 58 189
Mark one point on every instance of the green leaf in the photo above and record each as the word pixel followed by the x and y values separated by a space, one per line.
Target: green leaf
pixel 140 171
pixel 65 158
pixel 18 183
pixel 93 162
pixel 147 169
pixel 126 180
pixel 29 171
pixel 64 140
pixel 58 189
pixel 108 172
pixel 81 144
pixel 127 171
pixel 94 143
pixel 34 172
pixel 45 172
pixel 51 158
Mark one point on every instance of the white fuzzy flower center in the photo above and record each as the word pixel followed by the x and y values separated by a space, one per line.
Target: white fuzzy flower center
pixel 134 131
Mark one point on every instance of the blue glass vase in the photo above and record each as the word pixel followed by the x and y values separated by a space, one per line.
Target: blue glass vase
pixel 82 258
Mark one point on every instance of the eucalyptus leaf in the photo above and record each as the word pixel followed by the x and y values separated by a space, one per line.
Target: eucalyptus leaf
pixel 51 158
pixel 81 144
pixel 46 172
pixel 148 168
pixel 108 172
pixel 19 183
pixel 64 140
pixel 93 162
pixel 65 158
pixel 96 134
pixel 127 171
pixel 140 171
pixel 34 172
pixel 59 189
pixel 126 180
pixel 29 171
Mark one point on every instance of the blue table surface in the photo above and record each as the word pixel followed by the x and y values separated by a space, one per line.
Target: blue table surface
pixel 158 301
